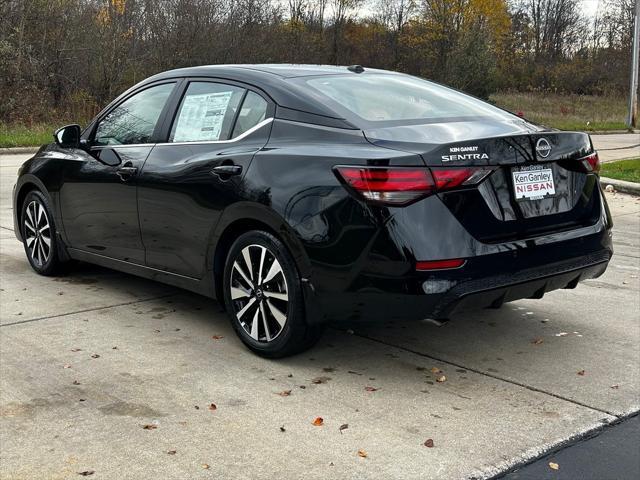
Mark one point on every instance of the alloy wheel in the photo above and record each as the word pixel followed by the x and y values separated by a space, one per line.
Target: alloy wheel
pixel 37 232
pixel 259 293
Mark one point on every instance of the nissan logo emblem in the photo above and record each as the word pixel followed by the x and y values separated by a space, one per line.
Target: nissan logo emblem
pixel 543 147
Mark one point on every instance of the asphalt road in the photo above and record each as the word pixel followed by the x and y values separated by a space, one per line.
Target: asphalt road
pixel 88 359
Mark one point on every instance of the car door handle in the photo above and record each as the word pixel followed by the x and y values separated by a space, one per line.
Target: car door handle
pixel 126 172
pixel 227 170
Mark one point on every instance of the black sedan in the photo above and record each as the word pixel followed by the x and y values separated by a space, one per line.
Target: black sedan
pixel 299 195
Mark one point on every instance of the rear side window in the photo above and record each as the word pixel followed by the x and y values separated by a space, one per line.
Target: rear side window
pixel 206 112
pixel 134 120
pixel 388 97
pixel 253 111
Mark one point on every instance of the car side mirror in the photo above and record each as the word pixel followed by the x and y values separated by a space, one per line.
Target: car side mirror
pixel 68 136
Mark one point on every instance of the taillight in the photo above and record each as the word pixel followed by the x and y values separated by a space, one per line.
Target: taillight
pixel 403 185
pixel 591 163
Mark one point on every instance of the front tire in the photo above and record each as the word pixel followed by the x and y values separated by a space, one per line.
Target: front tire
pixel 263 297
pixel 39 234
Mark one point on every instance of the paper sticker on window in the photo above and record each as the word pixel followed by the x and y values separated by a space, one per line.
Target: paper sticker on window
pixel 201 117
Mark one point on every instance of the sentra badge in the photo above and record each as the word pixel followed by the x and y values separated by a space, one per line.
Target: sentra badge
pixel 460 154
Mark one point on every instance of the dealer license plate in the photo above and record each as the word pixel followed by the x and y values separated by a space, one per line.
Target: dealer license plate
pixel 533 183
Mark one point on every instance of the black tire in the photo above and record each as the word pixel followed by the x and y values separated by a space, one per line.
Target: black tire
pixel 38 227
pixel 264 298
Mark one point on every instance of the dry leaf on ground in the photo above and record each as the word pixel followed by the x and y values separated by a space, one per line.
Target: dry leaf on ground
pixel 344 426
pixel 205 466
pixel 285 393
pixel 441 379
pixel 429 443
pixel 217 337
pixel 86 473
pixel 581 373
pixel 213 407
pixel 537 341
pixel 371 389
pixel 149 426
pixel 554 466
pixel 435 370
pixel 171 452
pixel 318 421
pixel 362 453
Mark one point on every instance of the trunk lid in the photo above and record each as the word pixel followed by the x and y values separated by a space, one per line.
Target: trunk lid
pixel 522 158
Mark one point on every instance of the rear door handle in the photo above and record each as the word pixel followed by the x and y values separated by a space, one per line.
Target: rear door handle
pixel 227 170
pixel 126 172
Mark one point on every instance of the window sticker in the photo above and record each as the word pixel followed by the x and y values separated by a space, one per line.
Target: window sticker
pixel 201 117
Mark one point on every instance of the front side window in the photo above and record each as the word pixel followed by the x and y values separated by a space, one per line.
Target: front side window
pixel 206 112
pixel 134 120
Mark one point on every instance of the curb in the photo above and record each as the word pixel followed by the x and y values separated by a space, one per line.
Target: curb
pixel 12 150
pixel 611 132
pixel 622 186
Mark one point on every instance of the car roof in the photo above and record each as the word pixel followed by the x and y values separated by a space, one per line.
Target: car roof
pixel 272 80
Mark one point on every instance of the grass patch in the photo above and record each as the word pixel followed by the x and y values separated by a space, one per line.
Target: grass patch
pixel 25 135
pixel 628 170
pixel 567 112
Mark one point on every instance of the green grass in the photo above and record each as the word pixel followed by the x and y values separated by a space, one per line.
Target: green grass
pixel 567 112
pixel 628 170
pixel 25 136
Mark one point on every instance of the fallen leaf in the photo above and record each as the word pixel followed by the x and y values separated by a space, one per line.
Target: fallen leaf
pixel 435 370
pixel 95 355
pixel 217 337
pixel 441 379
pixel 282 429
pixel 171 452
pixel 319 380
pixel 76 382
pixel 157 331
pixel 86 473
pixel 554 466
pixel 537 341
pixel 429 443
pixel 362 454
pixel 76 349
pixel 285 393
pixel 205 466
pixel 196 407
pixel 149 426
pixel 344 426
pixel 66 365
pixel 114 348
pixel 302 387
pixel 371 389
pixel 581 373
pixel 562 334
pixel 213 407
pixel 353 373
pixel 615 387
pixel 319 421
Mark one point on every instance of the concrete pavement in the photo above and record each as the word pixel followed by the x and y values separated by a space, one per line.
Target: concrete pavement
pixel 617 146
pixel 90 358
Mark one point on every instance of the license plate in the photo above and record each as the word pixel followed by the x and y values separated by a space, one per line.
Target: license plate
pixel 531 183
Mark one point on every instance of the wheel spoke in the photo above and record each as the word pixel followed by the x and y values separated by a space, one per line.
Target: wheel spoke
pixel 238 293
pixel 280 317
pixel 262 255
pixel 273 271
pixel 254 325
pixel 30 241
pixel 28 224
pixel 247 260
pixel 35 251
pixel 244 275
pixel 30 216
pixel 43 256
pixel 245 308
pixel 278 295
pixel 265 322
pixel 39 211
pixel 45 228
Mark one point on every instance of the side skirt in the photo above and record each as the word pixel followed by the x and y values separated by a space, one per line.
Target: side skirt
pixel 203 287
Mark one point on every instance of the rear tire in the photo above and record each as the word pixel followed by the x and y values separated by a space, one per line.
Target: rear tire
pixel 39 234
pixel 263 297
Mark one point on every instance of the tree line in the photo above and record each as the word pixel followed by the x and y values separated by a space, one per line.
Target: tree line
pixel 67 58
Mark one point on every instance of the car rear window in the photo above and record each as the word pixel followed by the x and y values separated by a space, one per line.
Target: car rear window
pixel 388 97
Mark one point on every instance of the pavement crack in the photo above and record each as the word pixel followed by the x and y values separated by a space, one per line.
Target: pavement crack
pixel 490 375
pixel 48 317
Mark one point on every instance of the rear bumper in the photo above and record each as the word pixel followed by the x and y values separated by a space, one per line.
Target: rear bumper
pixel 485 281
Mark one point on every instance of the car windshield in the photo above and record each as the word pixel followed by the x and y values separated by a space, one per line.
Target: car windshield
pixel 384 97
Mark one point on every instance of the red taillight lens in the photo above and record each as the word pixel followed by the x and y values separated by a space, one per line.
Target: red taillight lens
pixel 440 264
pixel 403 185
pixel 592 162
